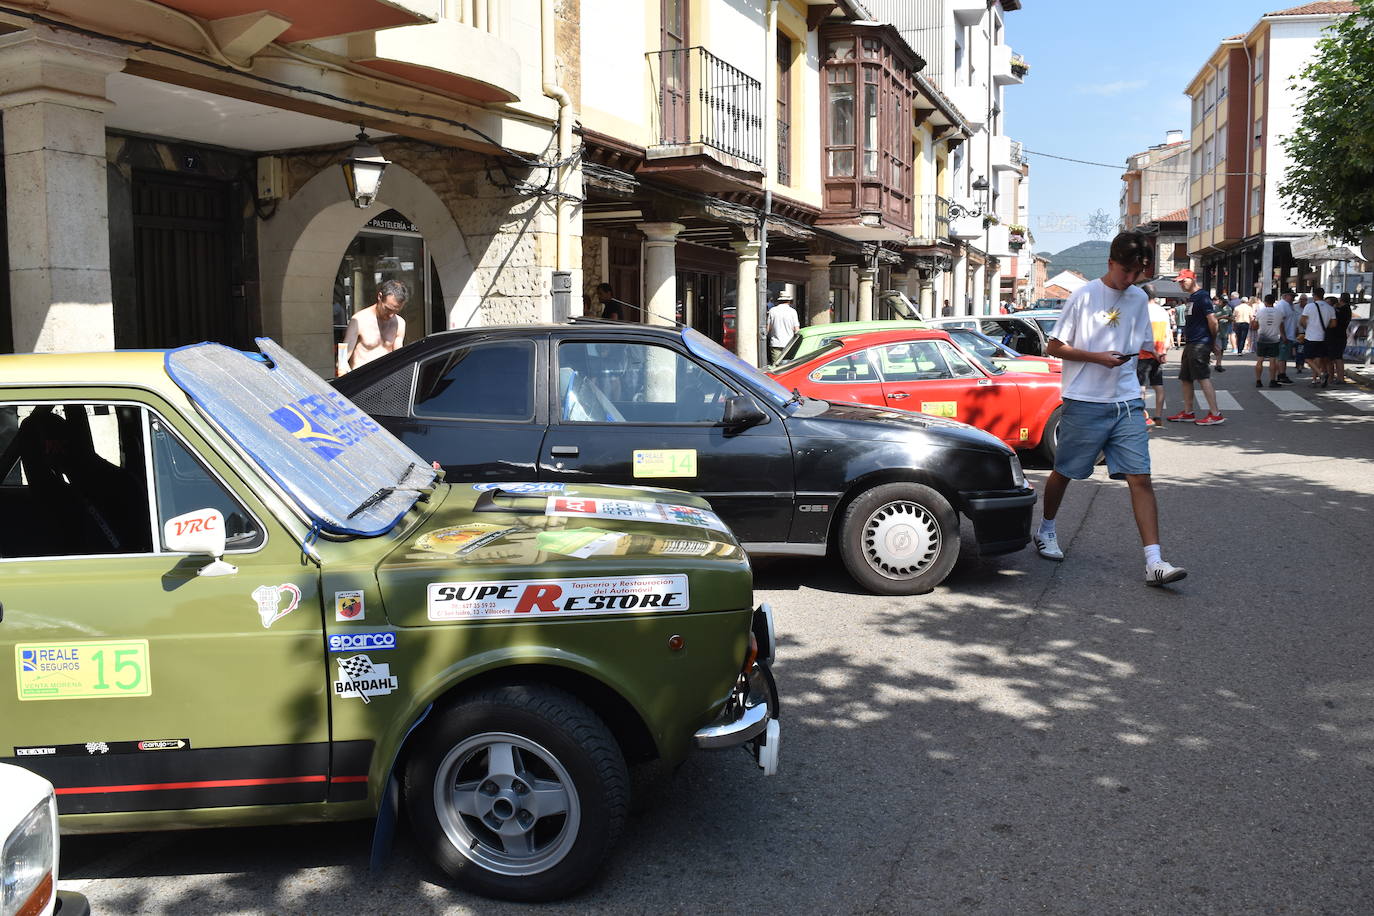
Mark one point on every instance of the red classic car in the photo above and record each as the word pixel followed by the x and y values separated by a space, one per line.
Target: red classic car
pixel 927 372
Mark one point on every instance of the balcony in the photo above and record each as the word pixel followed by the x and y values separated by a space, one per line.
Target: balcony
pixel 968 224
pixel 1002 154
pixel 972 103
pixel 706 106
pixel 968 12
pixel 1002 72
pixel 932 220
pixel 449 55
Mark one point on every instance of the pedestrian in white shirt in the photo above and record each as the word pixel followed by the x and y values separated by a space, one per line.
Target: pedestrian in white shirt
pixel 782 324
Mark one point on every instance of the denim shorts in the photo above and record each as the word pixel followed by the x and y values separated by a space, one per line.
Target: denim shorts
pixel 1116 430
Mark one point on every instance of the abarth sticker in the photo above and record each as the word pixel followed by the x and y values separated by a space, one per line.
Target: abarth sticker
pixel 349 607
pixel 366 642
pixel 665 462
pixel 1025 434
pixel 359 677
pixel 526 487
pixel 630 510
pixel 561 597
pixel 268 599
pixel 101 748
pixel 83 671
pixel 941 408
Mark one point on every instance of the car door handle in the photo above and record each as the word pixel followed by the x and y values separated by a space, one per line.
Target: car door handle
pixel 565 451
pixel 898 395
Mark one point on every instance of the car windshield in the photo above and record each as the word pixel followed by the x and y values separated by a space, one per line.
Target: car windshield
pixel 1047 325
pixel 714 353
pixel 345 472
pixel 827 345
pixel 981 344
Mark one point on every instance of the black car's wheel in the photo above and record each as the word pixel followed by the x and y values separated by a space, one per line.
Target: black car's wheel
pixel 517 792
pixel 1049 440
pixel 900 539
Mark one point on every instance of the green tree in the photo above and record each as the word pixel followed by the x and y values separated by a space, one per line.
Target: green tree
pixel 1331 181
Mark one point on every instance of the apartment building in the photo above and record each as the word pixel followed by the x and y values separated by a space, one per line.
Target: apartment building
pixel 1155 182
pixel 1241 234
pixel 969 60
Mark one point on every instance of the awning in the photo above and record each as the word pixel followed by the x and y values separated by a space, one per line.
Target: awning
pixel 1321 248
pixel 1164 288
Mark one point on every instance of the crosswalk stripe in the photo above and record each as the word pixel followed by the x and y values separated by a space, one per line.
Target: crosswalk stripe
pixel 1289 400
pixel 1360 400
pixel 1226 402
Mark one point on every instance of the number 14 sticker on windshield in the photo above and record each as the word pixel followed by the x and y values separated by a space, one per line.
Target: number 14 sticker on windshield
pixel 665 462
pixel 83 670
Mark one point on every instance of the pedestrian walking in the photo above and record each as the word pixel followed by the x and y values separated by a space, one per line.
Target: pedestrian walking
pixel 1149 360
pixel 1101 326
pixel 946 310
pixel 1224 311
pixel 1240 324
pixel 1289 311
pixel 1269 334
pixel 1312 325
pixel 1199 343
pixel 1338 338
pixel 782 324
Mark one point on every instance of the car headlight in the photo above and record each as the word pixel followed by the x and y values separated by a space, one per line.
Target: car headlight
pixel 1018 476
pixel 29 862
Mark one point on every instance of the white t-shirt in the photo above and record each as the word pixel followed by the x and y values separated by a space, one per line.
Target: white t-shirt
pixel 782 324
pixel 1289 311
pixel 1315 329
pixel 1269 323
pixel 1098 318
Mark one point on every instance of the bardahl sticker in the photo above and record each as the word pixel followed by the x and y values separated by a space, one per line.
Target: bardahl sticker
pixel 83 671
pixel 563 597
pixel 268 599
pixel 101 748
pixel 349 607
pixel 359 676
pixel 633 511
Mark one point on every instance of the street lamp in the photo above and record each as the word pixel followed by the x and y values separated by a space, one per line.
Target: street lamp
pixel 363 171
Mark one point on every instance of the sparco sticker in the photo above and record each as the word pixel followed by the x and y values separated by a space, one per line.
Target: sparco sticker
pixel 632 511
pixel 361 642
pixel 564 597
pixel 359 677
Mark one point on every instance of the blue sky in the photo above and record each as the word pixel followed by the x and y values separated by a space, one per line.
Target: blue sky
pixel 1106 81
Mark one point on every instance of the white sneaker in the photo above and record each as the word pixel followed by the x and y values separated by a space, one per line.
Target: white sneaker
pixel 1048 545
pixel 1162 573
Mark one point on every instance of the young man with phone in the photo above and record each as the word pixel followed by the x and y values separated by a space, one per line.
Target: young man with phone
pixel 1101 328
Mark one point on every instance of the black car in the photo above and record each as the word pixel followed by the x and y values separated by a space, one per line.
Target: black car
pixel 667 407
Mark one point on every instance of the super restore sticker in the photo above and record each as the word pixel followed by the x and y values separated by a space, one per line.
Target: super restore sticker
pixel 359 676
pixel 275 602
pixel 83 671
pixel 557 597
pixel 349 607
pixel 665 462
pixel 633 511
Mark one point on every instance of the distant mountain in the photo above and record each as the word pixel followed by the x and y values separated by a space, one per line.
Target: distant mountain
pixel 1088 258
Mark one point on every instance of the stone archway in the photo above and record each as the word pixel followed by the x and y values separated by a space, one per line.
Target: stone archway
pixel 301 246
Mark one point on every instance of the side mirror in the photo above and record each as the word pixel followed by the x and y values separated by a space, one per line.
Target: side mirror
pixel 199 532
pixel 741 413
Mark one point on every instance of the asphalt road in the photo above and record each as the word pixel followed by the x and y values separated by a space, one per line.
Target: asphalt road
pixel 1030 738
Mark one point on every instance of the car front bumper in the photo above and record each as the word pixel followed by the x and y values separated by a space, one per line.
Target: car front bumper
pixel 751 714
pixel 1001 518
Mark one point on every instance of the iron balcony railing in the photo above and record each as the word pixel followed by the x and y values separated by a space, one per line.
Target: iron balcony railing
pixel 704 100
pixel 932 217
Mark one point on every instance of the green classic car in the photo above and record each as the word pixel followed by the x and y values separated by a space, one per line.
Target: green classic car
pixel 228 597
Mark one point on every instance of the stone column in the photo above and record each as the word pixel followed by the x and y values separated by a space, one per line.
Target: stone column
pixel 818 289
pixel 901 284
pixel 975 286
pixel 958 283
pixel 747 302
pixel 52 91
pixel 660 271
pixel 867 277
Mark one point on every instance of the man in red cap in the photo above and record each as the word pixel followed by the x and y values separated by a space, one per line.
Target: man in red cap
pixel 1199 343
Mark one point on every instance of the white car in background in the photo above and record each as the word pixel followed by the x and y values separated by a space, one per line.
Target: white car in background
pixel 28 863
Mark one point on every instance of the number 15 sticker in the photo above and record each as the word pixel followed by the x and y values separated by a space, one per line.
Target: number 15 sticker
pixel 83 670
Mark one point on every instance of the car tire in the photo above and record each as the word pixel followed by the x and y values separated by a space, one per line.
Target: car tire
pixel 899 539
pixel 483 769
pixel 1049 439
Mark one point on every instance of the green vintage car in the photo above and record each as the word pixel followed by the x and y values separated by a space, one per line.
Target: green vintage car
pixel 231 598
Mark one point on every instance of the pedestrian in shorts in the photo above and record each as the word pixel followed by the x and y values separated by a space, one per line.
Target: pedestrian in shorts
pixel 1199 343
pixel 1102 326
pixel 1149 360
pixel 1268 328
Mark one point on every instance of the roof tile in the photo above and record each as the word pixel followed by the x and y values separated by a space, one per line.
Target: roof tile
pixel 1319 8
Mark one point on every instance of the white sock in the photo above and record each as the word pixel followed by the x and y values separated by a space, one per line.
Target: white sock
pixel 1151 554
pixel 1047 526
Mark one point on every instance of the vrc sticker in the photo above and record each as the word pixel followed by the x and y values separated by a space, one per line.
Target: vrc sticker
pixel 563 597
pixel 359 677
pixel 361 642
pixel 349 607
pixel 268 599
pixel 83 671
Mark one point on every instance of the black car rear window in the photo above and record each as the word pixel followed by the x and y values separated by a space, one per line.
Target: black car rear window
pixel 489 381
